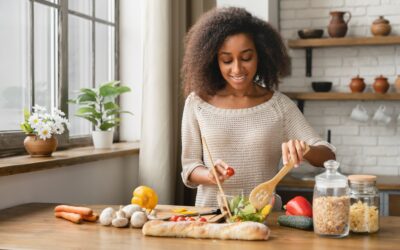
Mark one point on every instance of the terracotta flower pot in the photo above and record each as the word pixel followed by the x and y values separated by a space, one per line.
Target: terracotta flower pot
pixel 37 147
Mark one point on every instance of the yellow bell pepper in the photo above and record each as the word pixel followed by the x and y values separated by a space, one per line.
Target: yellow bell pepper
pixel 144 197
pixel 266 210
pixel 183 211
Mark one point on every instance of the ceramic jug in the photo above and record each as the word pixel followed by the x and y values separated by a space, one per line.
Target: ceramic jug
pixel 338 26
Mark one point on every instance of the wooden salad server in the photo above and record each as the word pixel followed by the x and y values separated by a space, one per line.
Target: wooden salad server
pixel 224 200
pixel 261 195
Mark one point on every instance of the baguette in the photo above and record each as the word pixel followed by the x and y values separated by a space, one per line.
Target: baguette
pixel 202 230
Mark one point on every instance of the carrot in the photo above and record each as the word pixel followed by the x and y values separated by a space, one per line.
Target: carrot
pixel 93 218
pixel 75 218
pixel 73 209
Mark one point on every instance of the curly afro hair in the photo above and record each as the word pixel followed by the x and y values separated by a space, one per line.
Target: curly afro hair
pixel 200 70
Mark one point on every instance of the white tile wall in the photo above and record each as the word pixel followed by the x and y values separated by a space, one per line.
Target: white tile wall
pixel 368 147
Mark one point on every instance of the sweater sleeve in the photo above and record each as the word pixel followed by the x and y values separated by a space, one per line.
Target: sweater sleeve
pixel 297 127
pixel 191 142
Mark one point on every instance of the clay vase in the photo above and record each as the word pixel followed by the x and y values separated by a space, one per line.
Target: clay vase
pixel 380 27
pixel 338 26
pixel 397 84
pixel 381 85
pixel 357 84
pixel 37 147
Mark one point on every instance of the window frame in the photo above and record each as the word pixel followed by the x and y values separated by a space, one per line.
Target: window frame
pixel 11 142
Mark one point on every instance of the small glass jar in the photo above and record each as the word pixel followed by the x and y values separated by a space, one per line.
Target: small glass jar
pixel 331 202
pixel 364 200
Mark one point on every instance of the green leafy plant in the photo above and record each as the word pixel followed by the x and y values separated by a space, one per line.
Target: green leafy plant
pixel 98 105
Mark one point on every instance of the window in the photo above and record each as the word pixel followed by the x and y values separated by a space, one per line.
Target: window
pixel 49 50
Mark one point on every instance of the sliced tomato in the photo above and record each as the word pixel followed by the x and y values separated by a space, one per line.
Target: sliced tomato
pixel 181 218
pixel 202 219
pixel 174 218
pixel 190 219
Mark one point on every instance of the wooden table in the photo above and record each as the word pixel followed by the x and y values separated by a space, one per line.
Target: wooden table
pixel 34 226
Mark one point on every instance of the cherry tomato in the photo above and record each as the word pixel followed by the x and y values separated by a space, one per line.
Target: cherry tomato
pixel 230 171
pixel 190 219
pixel 174 218
pixel 181 218
pixel 202 219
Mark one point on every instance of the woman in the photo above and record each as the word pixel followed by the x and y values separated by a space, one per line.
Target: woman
pixel 231 68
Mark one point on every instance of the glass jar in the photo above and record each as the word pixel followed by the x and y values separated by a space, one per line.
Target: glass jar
pixel 364 204
pixel 331 202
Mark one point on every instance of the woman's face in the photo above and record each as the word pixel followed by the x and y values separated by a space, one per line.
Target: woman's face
pixel 237 60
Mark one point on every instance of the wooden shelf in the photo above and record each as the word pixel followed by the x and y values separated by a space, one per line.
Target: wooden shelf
pixel 344 41
pixel 309 44
pixel 335 96
pixel 62 158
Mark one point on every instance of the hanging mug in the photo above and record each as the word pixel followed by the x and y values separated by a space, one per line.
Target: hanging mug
pixel 359 113
pixel 338 26
pixel 381 116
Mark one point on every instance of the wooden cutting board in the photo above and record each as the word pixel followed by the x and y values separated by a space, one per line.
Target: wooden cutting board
pixel 166 211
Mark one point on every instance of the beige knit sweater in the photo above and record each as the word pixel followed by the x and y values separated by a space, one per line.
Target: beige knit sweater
pixel 247 139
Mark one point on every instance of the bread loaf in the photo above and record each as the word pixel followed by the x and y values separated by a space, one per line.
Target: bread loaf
pixel 194 229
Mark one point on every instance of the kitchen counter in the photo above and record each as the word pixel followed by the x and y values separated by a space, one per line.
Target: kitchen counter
pixel 34 226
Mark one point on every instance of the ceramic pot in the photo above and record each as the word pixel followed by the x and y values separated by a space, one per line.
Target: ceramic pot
pixel 102 139
pixel 381 85
pixel 380 27
pixel 357 84
pixel 338 26
pixel 37 147
pixel 397 84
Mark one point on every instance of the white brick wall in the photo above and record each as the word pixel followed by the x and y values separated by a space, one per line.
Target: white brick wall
pixel 368 147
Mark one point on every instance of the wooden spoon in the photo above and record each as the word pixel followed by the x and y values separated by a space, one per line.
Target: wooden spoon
pixel 263 193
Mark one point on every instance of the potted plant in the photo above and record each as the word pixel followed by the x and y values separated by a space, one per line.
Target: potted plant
pixel 98 106
pixel 41 128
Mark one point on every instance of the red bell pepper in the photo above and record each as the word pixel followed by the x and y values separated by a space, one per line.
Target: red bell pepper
pixel 299 206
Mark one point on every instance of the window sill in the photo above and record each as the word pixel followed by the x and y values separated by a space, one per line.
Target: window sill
pixel 25 164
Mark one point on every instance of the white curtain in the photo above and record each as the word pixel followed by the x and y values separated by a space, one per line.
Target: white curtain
pixel 165 24
pixel 160 126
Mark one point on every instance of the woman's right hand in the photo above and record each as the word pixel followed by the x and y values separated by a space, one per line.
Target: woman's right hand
pixel 223 171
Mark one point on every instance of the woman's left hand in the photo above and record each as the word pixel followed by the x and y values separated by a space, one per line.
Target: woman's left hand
pixel 293 150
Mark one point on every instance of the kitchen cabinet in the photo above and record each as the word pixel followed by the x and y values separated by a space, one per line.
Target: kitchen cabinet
pixel 33 226
pixel 309 44
pixel 394 204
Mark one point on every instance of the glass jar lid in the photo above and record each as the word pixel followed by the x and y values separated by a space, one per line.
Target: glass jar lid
pixel 331 178
pixel 359 178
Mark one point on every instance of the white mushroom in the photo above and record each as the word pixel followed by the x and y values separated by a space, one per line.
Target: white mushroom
pixel 107 216
pixel 130 209
pixel 120 220
pixel 138 219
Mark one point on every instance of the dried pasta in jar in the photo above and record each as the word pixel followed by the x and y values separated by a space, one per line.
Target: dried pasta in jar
pixel 364 218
